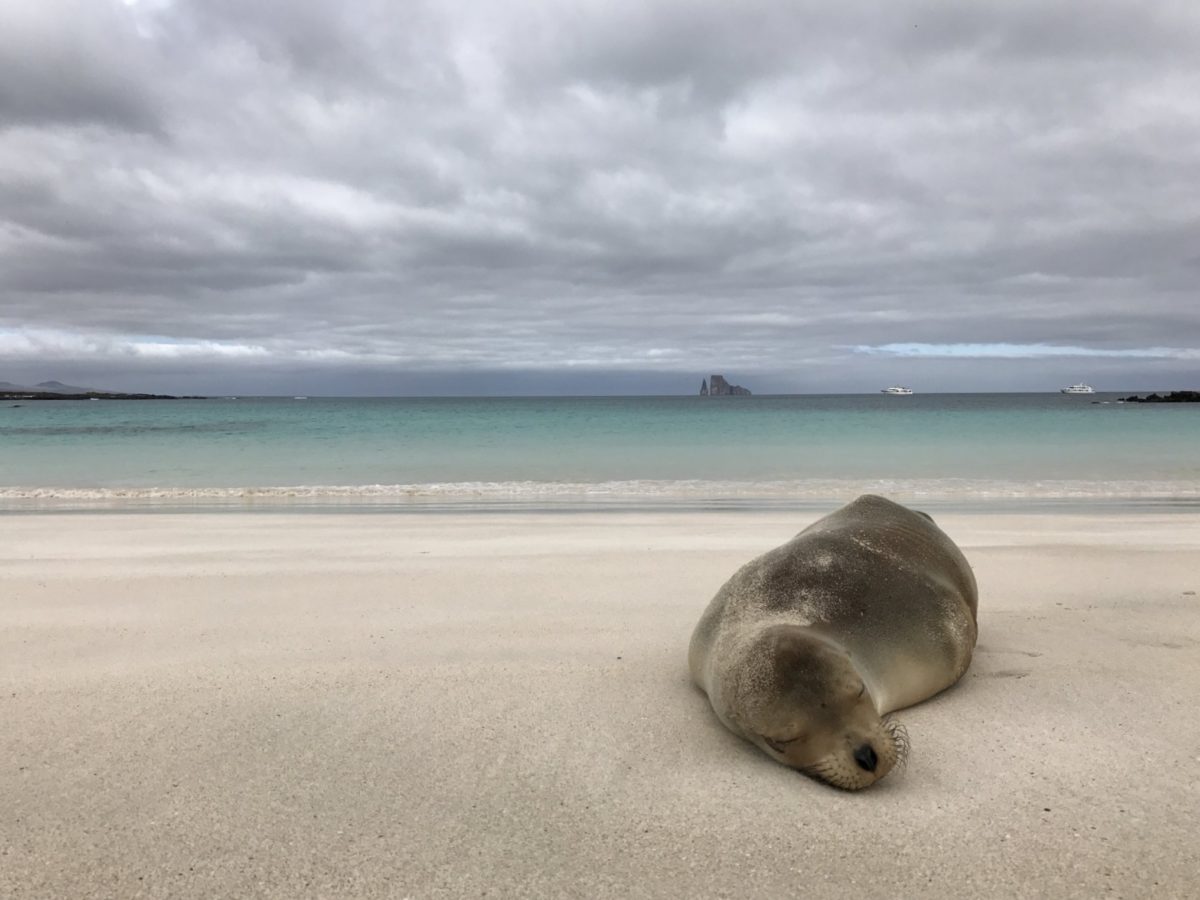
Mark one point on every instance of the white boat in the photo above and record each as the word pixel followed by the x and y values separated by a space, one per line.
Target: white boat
pixel 897 389
pixel 1079 389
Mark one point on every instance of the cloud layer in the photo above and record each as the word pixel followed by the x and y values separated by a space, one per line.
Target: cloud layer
pixel 220 196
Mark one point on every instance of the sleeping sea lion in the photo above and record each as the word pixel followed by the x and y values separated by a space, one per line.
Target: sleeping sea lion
pixel 806 648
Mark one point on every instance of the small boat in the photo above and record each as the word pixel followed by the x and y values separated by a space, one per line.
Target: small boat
pixel 897 389
pixel 1079 389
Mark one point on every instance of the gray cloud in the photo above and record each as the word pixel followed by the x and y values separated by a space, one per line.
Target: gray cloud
pixel 233 196
pixel 74 63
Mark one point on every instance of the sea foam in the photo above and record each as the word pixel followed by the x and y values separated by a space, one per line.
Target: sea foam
pixel 632 493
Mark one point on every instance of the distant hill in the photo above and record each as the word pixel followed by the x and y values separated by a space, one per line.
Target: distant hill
pixel 50 387
pixel 57 387
pixel 56 390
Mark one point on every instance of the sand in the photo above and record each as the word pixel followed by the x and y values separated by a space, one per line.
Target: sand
pixel 273 705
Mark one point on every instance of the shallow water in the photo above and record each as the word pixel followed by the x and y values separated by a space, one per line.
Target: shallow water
pixel 628 450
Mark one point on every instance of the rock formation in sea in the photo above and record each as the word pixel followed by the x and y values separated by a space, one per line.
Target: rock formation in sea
pixel 1173 397
pixel 703 387
pixel 719 387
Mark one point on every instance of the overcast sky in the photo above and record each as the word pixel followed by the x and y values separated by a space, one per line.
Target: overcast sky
pixel 285 196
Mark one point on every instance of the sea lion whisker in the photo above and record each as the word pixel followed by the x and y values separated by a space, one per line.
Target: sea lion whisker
pixel 899 735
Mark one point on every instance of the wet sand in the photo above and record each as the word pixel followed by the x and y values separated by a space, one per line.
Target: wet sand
pixel 246 705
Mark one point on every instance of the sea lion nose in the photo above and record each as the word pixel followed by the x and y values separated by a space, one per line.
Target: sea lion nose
pixel 866 758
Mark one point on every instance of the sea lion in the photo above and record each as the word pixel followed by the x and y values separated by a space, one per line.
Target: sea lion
pixel 806 648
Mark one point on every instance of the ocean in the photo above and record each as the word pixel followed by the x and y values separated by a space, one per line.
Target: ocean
pixel 269 453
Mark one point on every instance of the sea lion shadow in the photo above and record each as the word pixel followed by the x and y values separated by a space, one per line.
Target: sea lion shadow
pixel 996 664
pixel 999 659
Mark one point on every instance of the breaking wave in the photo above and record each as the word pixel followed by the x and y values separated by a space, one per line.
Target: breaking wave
pixel 639 493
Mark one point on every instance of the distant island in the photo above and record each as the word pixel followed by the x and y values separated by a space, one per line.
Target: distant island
pixel 717 386
pixel 56 390
pixel 1173 397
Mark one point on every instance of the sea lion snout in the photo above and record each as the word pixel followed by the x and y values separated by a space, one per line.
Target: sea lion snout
pixel 865 757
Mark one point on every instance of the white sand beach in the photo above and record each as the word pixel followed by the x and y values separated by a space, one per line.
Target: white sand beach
pixel 438 705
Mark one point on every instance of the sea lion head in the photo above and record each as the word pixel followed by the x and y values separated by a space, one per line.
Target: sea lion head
pixel 813 711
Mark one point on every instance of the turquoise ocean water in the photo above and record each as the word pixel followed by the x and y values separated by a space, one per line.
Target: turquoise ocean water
pixel 375 453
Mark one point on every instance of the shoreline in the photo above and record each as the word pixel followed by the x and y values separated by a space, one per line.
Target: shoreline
pixel 442 706
pixel 1167 506
pixel 805 495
